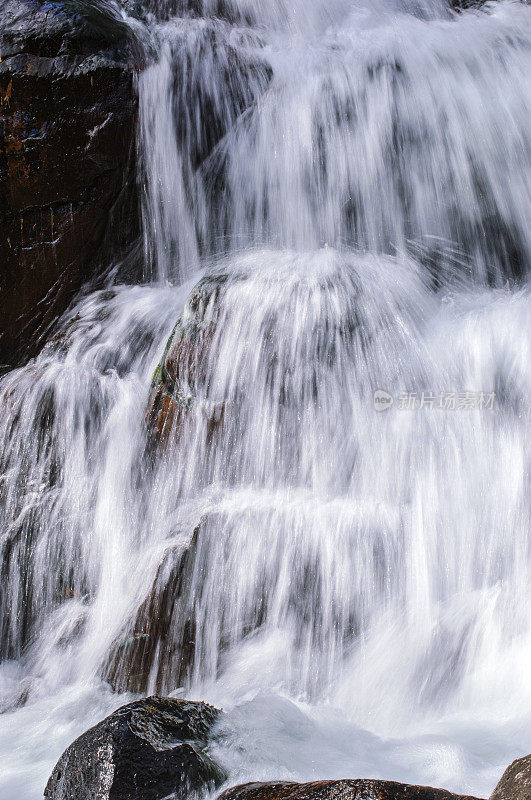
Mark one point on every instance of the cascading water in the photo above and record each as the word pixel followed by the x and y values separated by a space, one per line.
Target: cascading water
pixel 347 187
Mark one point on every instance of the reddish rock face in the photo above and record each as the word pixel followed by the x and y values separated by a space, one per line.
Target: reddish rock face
pixel 338 790
pixel 516 781
pixel 67 120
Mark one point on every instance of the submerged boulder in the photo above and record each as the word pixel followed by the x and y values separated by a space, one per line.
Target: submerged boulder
pixel 338 790
pixel 158 645
pixel 147 750
pixel 68 198
pixel 515 783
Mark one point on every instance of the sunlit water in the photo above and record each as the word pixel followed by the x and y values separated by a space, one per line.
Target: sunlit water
pixel 350 585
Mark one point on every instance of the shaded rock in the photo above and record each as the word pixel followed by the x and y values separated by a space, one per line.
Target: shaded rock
pixel 144 751
pixel 338 790
pixel 158 647
pixel 204 61
pixel 63 27
pixel 68 200
pixel 463 5
pixel 226 10
pixel 159 643
pixel 515 783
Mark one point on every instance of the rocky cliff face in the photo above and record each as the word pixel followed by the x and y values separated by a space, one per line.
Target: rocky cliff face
pixel 67 189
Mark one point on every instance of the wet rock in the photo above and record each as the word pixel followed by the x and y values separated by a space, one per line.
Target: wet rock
pixel 64 28
pixel 158 646
pixel 515 783
pixel 226 10
pixel 181 375
pixel 338 790
pixel 203 62
pixel 68 201
pixel 461 5
pixel 144 751
pixel 150 648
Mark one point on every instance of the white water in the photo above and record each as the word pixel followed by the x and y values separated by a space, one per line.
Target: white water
pixel 359 581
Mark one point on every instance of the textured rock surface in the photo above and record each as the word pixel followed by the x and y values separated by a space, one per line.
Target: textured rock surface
pixel 159 645
pixel 515 783
pixel 67 120
pixel 181 374
pixel 338 790
pixel 144 751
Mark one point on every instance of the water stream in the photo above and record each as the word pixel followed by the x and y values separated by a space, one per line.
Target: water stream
pixel 332 543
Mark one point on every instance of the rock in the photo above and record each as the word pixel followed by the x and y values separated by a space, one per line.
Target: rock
pixel 158 647
pixel 462 5
pixel 226 10
pixel 144 751
pixel 239 70
pixel 515 783
pixel 338 790
pixel 180 377
pixel 65 27
pixel 68 201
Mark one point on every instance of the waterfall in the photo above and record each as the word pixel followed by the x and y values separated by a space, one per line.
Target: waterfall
pixel 287 473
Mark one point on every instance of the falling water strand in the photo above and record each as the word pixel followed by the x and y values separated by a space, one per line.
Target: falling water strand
pixel 200 493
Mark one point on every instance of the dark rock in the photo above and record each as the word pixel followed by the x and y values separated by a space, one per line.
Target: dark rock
pixel 462 5
pixel 63 27
pixel 338 790
pixel 159 646
pixel 515 783
pixel 226 10
pixel 144 751
pixel 242 74
pixel 67 187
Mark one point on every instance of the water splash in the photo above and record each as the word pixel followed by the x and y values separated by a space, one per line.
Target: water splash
pixel 327 572
pixel 384 131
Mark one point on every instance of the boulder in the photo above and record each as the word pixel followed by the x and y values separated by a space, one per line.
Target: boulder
pixel 338 790
pixel 515 783
pixel 68 200
pixel 146 750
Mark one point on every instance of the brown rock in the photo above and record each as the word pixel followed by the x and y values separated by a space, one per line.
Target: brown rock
pixel 182 373
pixel 515 783
pixel 338 790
